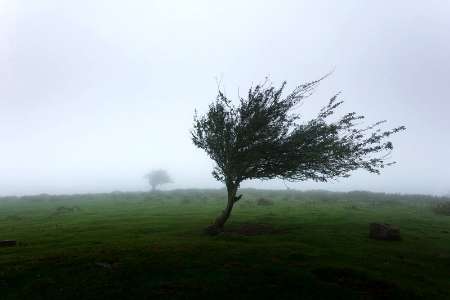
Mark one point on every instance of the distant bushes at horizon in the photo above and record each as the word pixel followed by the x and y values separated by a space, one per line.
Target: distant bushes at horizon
pixel 442 208
pixel 248 193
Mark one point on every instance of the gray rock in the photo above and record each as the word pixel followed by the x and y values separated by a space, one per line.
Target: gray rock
pixel 382 231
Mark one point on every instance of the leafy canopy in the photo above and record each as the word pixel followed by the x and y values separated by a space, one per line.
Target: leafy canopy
pixel 158 177
pixel 263 138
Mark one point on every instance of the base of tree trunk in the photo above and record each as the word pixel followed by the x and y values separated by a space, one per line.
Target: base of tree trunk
pixel 213 230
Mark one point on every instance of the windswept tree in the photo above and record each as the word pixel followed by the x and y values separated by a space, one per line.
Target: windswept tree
pixel 263 138
pixel 158 177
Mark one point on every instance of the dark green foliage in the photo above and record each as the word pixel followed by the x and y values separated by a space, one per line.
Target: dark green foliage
pixel 263 138
pixel 442 208
pixel 158 177
pixel 264 202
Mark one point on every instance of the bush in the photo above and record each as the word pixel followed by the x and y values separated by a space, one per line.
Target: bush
pixel 63 209
pixel 264 202
pixel 442 208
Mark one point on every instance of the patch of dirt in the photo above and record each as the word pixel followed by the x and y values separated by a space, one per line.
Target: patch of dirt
pixel 250 229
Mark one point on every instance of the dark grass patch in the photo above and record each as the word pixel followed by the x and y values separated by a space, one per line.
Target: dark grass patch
pixel 357 281
pixel 250 229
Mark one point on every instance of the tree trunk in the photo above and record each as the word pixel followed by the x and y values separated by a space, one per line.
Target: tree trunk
pixel 220 221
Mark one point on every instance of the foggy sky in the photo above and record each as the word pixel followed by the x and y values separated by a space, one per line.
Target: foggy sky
pixel 93 94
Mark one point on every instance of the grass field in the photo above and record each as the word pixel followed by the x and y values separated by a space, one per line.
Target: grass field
pixel 151 246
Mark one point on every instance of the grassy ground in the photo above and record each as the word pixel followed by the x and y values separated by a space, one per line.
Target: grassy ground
pixel 147 246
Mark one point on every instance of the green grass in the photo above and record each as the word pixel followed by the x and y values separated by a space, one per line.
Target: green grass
pixel 147 246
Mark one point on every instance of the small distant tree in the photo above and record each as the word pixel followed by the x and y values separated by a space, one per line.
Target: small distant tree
pixel 158 177
pixel 263 138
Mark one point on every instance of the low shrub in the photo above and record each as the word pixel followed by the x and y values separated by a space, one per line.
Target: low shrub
pixel 442 208
pixel 264 202
pixel 63 209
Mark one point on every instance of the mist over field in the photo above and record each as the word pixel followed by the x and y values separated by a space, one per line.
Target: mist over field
pixel 224 149
pixel 94 94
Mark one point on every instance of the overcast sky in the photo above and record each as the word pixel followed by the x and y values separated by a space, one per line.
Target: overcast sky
pixel 93 94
